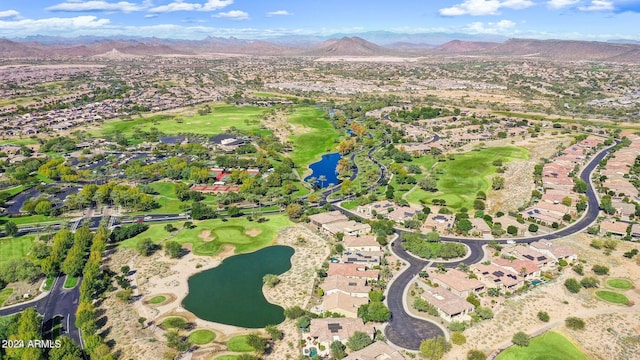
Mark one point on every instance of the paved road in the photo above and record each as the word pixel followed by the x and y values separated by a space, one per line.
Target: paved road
pixel 60 301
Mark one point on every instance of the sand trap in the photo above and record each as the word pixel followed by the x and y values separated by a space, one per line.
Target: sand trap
pixel 205 235
pixel 253 232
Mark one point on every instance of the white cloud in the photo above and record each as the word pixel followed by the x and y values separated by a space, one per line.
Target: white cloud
pixel 56 25
pixel 278 12
pixel 502 27
pixel 484 7
pixel 598 5
pixel 148 16
pixel 559 4
pixel 237 15
pixel 75 6
pixel 8 13
pixel 180 5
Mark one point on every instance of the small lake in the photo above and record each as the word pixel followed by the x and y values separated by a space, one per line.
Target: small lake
pixel 231 293
pixel 327 167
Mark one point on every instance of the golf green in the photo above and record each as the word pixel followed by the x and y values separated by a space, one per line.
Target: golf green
pixel 548 346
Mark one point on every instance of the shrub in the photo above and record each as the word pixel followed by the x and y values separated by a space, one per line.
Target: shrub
pixel 572 285
pixel 533 228
pixel 578 269
pixel 589 282
pixel 458 338
pixel 574 323
pixel 457 326
pixel 600 269
pixel 521 339
pixel 543 316
pixel 476 355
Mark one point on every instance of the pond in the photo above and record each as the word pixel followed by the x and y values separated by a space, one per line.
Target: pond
pixel 232 292
pixel 327 168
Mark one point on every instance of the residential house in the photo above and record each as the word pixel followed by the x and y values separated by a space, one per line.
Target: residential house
pixel 342 284
pixel 370 258
pixel 348 227
pixel 361 243
pixel 318 220
pixel 378 207
pixel 497 276
pixel 325 331
pixel 378 350
pixel 450 307
pixel 342 303
pixel 525 268
pixel 524 252
pixel 613 227
pixel 480 226
pixel 555 251
pixel 441 223
pixel 635 230
pixel 355 271
pixel 456 281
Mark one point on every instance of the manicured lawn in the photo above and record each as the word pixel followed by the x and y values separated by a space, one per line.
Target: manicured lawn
pixel 4 295
pixel 221 118
pixel 17 142
pixel 622 284
pixel 317 140
pixel 163 188
pixel 230 232
pixel 227 357
pixel 16 190
pixel 165 323
pixel 49 282
pixel 612 297
pixel 15 248
pixel 548 346
pixel 157 299
pixel 460 179
pixel 32 219
pixel 239 344
pixel 349 205
pixel 202 336
pixel 70 282
pixel 43 179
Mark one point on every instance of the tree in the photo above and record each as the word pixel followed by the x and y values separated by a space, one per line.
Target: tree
pixel 533 228
pixel 43 208
pixel 294 312
pixel 294 211
pixel 476 355
pixel 359 340
pixel 484 313
pixel 175 323
pixel 512 230
pixel 433 236
pixel 173 249
pixel 543 316
pixel 68 350
pixel 10 228
pixel 478 204
pixel 74 262
pixel 434 349
pixel 428 184
pixel 176 341
pixel 337 350
pixel 580 186
pixel 376 296
pixel 274 332
pixel 271 280
pixel 374 311
pixel 574 323
pixel 497 183
pixel 521 339
pixel 257 342
pixel 464 225
pixel 145 247
pixel 169 228
pixel 572 285
pixel 303 322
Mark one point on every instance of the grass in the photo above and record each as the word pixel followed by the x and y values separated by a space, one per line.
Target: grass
pixel 599 123
pixel 622 284
pixel 231 232
pixel 612 297
pixel 349 205
pixel 461 178
pixel 15 248
pixel 31 219
pixel 548 346
pixel 227 357
pixel 18 142
pixel 317 140
pixel 239 344
pixel 202 336
pixel 43 179
pixel 4 295
pixel 157 299
pixel 166 325
pixel 48 283
pixel 16 190
pixel 221 118
pixel 70 282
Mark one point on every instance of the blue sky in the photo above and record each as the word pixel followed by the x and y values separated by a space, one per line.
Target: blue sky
pixel 196 19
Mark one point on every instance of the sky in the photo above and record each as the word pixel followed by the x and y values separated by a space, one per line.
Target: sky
pixel 262 19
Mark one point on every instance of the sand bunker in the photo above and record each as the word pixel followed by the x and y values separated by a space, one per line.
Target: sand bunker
pixel 253 232
pixel 205 235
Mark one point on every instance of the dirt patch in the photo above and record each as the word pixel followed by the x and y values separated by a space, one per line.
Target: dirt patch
pixel 253 232
pixel 22 288
pixel 278 122
pixel 205 235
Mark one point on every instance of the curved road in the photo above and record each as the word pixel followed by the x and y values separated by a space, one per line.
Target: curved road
pixel 406 331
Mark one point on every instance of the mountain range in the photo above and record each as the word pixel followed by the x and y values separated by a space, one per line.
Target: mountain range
pixel 411 46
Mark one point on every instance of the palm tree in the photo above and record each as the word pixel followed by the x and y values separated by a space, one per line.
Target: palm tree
pixel 322 179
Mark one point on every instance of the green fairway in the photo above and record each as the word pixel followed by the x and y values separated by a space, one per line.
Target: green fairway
pixel 220 119
pixel 460 179
pixel 548 346
pixel 612 297
pixel 622 284
pixel 157 299
pixel 70 282
pixel 241 233
pixel 4 295
pixel 239 344
pixel 15 248
pixel 317 139
pixel 202 336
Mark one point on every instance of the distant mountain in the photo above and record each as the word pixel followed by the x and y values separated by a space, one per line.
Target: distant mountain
pixel 459 46
pixel 624 41
pixel 348 46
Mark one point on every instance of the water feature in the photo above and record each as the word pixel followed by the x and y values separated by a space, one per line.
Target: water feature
pixel 231 293
pixel 324 171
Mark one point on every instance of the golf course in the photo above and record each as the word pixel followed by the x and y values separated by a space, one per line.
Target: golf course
pixel 548 346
